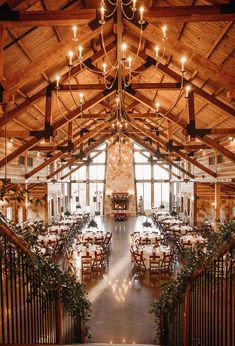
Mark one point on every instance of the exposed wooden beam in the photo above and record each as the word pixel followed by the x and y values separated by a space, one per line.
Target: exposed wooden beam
pixel 153 152
pixel 14 134
pixel 71 171
pixel 58 124
pixel 1 52
pixel 50 58
pixel 178 152
pixel 30 100
pixel 201 63
pixel 166 70
pixel 182 123
pixel 60 154
pixel 87 151
pixel 185 14
pixel 20 5
pixel 157 86
pixel 78 87
pixel 198 90
pixel 45 18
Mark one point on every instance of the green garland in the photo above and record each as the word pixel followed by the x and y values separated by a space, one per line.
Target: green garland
pixel 55 283
pixel 174 292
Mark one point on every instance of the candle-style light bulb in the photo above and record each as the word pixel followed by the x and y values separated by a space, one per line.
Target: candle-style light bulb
pixel 70 57
pixel 156 52
pixel 80 49
pixel 124 47
pixel 81 98
pixel 104 68
pixel 102 9
pixel 75 29
pixel 129 62
pixel 134 5
pixel 157 106
pixel 141 21
pixel 57 78
pixel 183 60
pixel 187 90
pixel 164 28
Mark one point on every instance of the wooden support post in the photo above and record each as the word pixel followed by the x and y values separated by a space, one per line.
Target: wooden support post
pixel 217 203
pixel 171 206
pixel 1 52
pixel 46 216
pixel 87 185
pixel 48 119
pixel 195 204
pixel 191 117
pixel 187 317
pixel 152 185
pixel 58 312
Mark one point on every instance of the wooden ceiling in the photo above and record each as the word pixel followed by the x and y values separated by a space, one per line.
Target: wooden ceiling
pixel 36 36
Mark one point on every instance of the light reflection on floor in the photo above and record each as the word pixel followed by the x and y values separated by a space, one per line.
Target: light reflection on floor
pixel 121 300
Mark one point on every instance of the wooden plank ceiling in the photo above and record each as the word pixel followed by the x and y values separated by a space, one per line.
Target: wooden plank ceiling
pixel 36 36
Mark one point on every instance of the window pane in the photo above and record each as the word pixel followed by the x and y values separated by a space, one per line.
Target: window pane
pixel 79 174
pixel 160 173
pixel 161 194
pixel 96 197
pixel 78 195
pixel 144 190
pixel 100 158
pixel 97 172
pixel 138 157
pixel 143 172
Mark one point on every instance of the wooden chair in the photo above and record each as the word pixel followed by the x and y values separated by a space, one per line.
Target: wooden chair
pixel 98 240
pixel 155 264
pixel 146 241
pixel 86 265
pixel 167 264
pixel 98 263
pixel 139 261
pixel 186 244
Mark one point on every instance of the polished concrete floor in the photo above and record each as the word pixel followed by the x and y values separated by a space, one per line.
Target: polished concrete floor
pixel 121 300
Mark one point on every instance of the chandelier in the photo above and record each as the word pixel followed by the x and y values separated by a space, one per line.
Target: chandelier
pixel 120 73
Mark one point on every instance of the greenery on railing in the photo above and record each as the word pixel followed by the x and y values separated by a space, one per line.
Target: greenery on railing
pixel 46 276
pixel 174 292
pixel 57 284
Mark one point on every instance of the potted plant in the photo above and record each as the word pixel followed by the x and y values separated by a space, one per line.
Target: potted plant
pixel 162 206
pixel 174 213
pixel 78 206
pixel 146 224
pixel 92 223
pixel 67 213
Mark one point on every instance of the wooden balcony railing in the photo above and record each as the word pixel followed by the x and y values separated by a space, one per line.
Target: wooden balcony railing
pixel 207 314
pixel 28 316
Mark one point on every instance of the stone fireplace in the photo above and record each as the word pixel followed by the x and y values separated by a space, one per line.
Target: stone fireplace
pixel 120 188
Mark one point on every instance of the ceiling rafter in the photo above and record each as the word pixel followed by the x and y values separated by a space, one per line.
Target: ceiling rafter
pixel 201 63
pixel 58 124
pixel 72 161
pixel 41 93
pixel 182 123
pixel 153 152
pixel 177 152
pixel 60 154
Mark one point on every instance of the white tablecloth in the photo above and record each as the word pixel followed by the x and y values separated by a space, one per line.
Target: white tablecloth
pixel 193 239
pixel 148 251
